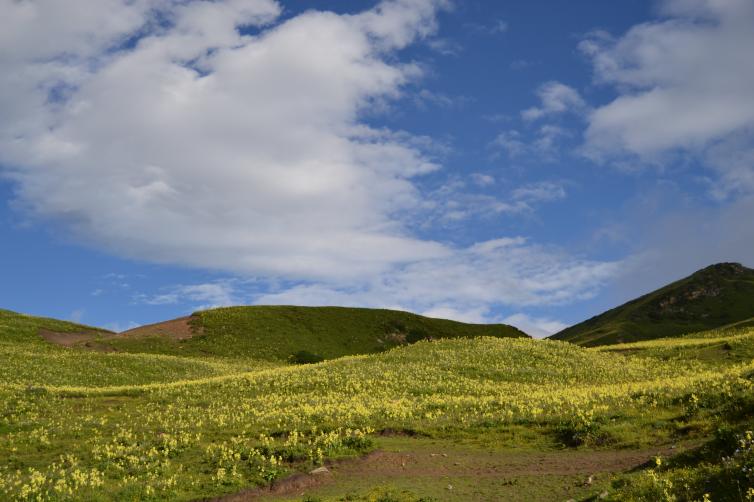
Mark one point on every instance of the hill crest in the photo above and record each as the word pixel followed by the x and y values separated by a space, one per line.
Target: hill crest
pixel 279 332
pixel 713 297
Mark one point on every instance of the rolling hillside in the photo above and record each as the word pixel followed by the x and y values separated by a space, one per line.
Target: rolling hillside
pixel 275 333
pixel 18 328
pixel 474 412
pixel 716 296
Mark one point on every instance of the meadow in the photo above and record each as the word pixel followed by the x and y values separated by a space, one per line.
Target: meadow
pixel 77 424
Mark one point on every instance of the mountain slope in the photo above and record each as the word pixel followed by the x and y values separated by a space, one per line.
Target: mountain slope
pixel 715 296
pixel 278 332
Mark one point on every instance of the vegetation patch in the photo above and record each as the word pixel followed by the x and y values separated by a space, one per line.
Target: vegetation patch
pixel 83 425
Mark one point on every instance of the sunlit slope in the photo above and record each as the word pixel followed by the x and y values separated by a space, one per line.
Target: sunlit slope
pixel 275 333
pixel 18 328
pixel 713 297
pixel 220 433
pixel 27 360
pixel 718 347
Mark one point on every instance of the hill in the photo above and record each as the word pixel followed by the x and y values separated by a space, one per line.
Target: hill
pixel 716 296
pixel 18 328
pixel 471 413
pixel 195 438
pixel 276 333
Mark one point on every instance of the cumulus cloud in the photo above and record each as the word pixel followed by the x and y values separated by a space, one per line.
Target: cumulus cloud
pixel 555 98
pixel 203 146
pixel 216 135
pixel 685 85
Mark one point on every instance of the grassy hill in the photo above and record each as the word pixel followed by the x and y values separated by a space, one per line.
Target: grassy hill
pixel 22 328
pixel 716 296
pixel 275 333
pixel 82 424
pixel 27 359
pixel 221 434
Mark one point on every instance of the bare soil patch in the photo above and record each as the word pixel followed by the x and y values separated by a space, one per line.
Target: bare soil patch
pixel 71 339
pixel 177 329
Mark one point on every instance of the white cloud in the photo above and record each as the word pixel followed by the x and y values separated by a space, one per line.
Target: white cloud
pixel 685 84
pixel 474 315
pixel 425 98
pixel 535 326
pixel 455 202
pixel 469 285
pixel 555 98
pixel 545 143
pixel 200 296
pixel 445 47
pixel 511 142
pixel 538 192
pixel 482 179
pixel 157 130
pixel 204 147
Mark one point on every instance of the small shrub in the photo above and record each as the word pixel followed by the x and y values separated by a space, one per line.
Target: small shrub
pixel 583 429
pixel 416 334
pixel 306 357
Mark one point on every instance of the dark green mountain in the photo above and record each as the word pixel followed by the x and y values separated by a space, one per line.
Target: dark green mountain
pixel 716 296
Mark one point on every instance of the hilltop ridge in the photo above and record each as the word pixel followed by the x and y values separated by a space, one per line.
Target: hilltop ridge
pixel 713 297
pixel 277 332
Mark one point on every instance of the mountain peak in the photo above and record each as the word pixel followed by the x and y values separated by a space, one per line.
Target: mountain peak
pixel 715 296
pixel 727 269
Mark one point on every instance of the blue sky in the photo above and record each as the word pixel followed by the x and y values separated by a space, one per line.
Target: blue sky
pixel 522 162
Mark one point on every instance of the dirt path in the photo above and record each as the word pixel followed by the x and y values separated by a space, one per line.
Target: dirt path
pixel 464 473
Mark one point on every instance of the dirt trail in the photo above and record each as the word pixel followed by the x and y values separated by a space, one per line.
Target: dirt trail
pixel 474 464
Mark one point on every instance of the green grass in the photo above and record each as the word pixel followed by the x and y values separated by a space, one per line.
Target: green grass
pixel 26 360
pixel 18 328
pixel 713 348
pixel 275 333
pixel 191 424
pixel 717 296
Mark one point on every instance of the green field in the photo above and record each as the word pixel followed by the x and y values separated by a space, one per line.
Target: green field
pixel 443 418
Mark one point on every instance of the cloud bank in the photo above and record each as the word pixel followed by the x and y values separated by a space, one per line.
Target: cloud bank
pixel 219 135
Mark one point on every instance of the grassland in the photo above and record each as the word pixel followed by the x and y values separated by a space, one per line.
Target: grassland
pixel 83 425
pixel 275 333
pixel 714 297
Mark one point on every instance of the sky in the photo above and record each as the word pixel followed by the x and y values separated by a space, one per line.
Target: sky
pixel 532 163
